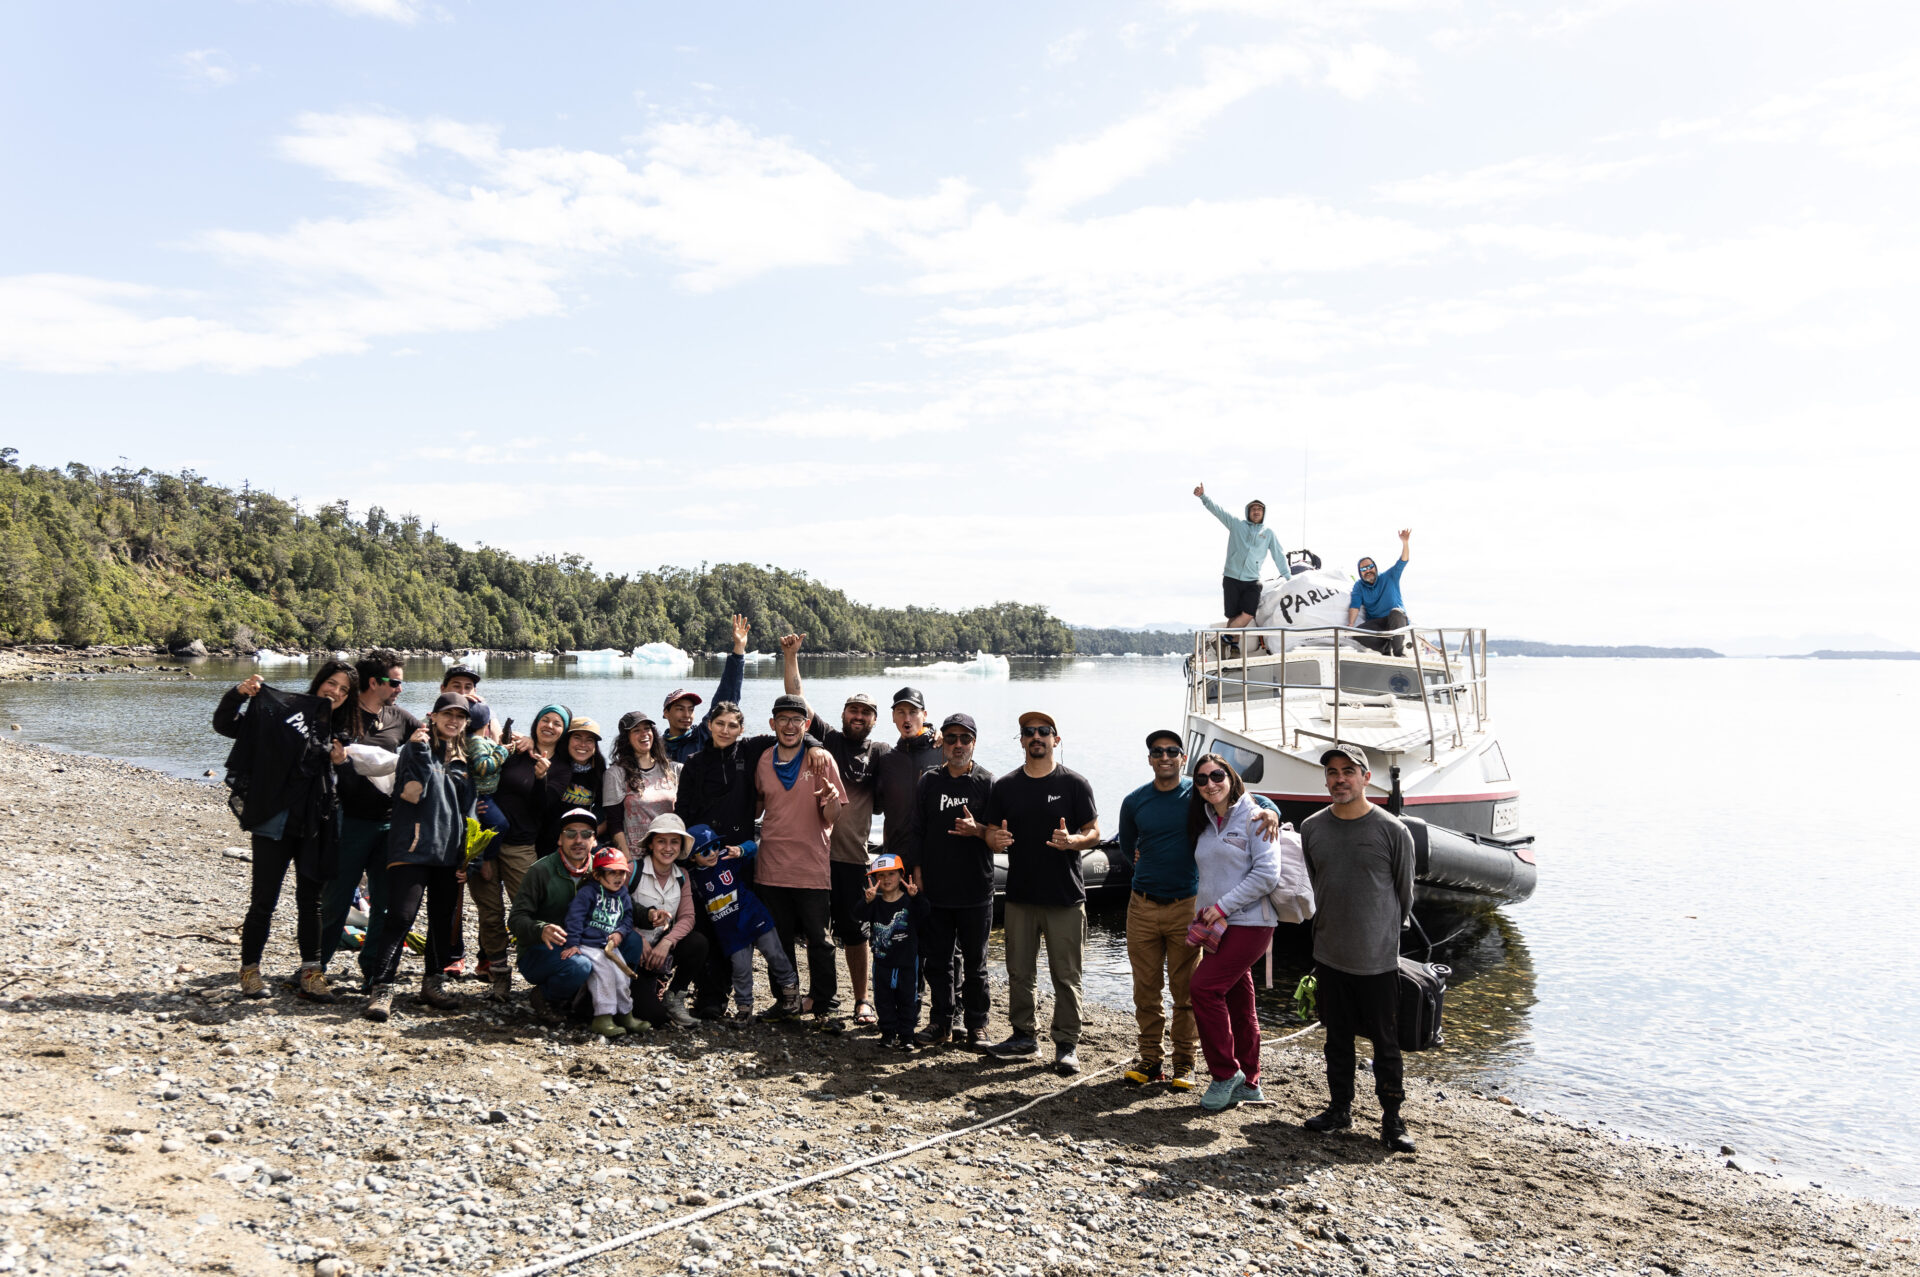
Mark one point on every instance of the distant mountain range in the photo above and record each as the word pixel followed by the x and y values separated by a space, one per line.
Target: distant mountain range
pixel 1095 641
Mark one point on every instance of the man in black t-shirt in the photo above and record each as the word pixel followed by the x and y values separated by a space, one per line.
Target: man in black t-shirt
pixel 950 860
pixel 1043 817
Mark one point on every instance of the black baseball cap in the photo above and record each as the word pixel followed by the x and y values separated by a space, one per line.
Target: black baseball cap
pixel 910 696
pixel 1167 733
pixel 960 720
pixel 454 700
pixel 460 671
pixel 790 704
pixel 1353 753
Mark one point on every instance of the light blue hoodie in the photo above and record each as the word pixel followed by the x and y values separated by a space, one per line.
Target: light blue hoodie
pixel 1237 867
pixel 1248 544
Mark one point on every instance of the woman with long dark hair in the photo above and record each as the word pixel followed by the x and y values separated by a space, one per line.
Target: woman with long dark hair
pixel 426 854
pixel 642 782
pixel 288 805
pixel 1237 869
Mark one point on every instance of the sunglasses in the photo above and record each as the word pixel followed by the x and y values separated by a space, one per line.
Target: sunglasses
pixel 390 682
pixel 1165 751
pixel 1211 778
pixel 1038 729
pixel 957 738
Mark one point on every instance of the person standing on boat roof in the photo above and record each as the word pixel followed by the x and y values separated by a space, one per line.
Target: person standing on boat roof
pixel 1249 542
pixel 1376 598
pixel 1360 858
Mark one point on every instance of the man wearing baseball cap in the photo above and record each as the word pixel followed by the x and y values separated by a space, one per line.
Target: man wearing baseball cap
pixel 684 737
pixel 539 914
pixel 896 777
pixel 1360 858
pixel 1162 905
pixel 801 794
pixel 954 867
pixel 1043 818
pixel 857 754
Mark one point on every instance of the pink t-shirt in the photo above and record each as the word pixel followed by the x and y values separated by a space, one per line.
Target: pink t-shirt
pixel 796 833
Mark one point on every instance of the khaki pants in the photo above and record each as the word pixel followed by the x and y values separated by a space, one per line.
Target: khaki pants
pixel 1156 945
pixel 1064 928
pixel 510 864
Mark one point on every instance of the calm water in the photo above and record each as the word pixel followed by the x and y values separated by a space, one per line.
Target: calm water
pixel 1711 927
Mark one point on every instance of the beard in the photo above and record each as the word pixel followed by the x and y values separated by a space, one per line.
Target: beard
pixel 856 732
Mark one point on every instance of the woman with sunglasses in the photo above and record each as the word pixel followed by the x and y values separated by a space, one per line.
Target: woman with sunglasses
pixel 1237 869
pixel 642 783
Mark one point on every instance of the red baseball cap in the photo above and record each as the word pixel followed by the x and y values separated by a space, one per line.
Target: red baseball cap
pixel 679 694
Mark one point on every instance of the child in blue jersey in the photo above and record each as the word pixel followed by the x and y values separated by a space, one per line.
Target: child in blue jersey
pixel 722 878
pixel 598 920
pixel 894 914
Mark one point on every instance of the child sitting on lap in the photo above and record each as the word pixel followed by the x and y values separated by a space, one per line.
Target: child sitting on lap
pixel 598 921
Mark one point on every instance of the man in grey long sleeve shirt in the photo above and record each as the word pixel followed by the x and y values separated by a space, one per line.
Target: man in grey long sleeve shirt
pixel 1361 861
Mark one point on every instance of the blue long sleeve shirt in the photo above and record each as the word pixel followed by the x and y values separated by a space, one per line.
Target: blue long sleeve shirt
pixel 1247 545
pixel 1377 601
pixel 733 680
pixel 1153 835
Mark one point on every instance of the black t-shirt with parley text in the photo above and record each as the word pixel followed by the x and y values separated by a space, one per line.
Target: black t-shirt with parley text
pixel 955 872
pixel 1037 873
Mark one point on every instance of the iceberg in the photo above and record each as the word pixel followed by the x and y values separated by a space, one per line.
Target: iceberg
pixel 604 658
pixel 760 658
pixel 267 656
pixel 472 660
pixel 662 658
pixel 543 658
pixel 983 665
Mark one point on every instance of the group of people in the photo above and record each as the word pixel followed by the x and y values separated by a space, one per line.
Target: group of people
pixel 622 889
pixel 1374 603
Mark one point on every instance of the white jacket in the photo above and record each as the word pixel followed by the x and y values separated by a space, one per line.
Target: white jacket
pixel 1237 867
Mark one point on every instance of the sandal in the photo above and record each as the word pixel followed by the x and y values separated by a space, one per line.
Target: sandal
pixel 864 1015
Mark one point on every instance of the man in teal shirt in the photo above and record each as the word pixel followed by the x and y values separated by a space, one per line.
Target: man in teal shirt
pixel 1153 835
pixel 1249 542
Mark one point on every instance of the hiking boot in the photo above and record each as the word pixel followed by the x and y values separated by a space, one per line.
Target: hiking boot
pixel 1249 1093
pixel 1015 1046
pixel 379 1003
pixel 976 1039
pixel 1066 1061
pixel 1337 1117
pixel 313 985
pixel 606 1028
pixel 741 1016
pixel 785 1009
pixel 677 1010
pixel 1144 1074
pixel 709 1010
pixel 1393 1134
pixel 251 985
pixel 433 992
pixel 1220 1093
pixel 538 1001
pixel 500 981
pixel 1180 1079
pixel 937 1033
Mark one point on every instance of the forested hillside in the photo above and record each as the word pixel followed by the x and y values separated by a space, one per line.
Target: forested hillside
pixel 130 556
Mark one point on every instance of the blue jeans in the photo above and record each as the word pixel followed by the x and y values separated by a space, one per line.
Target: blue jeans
pixel 363 849
pixel 560 978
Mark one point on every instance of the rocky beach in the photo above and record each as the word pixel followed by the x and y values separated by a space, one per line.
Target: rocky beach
pixel 151 1122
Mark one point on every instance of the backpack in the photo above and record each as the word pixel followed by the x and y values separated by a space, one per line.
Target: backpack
pixel 1423 990
pixel 1292 899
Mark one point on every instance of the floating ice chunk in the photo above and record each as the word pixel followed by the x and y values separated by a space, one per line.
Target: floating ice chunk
pixel 543 658
pixel 983 665
pixel 267 656
pixel 662 658
pixel 604 658
pixel 472 660
pixel 760 658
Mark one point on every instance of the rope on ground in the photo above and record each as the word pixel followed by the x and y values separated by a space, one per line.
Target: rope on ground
pixel 835 1172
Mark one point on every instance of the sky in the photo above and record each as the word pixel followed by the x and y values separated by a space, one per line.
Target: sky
pixel 953 304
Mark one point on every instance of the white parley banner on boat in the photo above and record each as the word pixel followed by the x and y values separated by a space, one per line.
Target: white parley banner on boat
pixel 1309 600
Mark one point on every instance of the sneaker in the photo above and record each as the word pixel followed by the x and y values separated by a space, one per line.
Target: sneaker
pixel 712 1011
pixel 742 1015
pixel 677 1010
pixel 887 1041
pixel 606 1028
pixel 936 1033
pixel 483 969
pixel 1180 1079
pixel 976 1039
pixel 1066 1061
pixel 457 968
pixel 433 992
pixel 1015 1046
pixel 779 1011
pixel 251 985
pixel 827 1022
pixel 1220 1094
pixel 313 985
pixel 500 981
pixel 1393 1134
pixel 1249 1093
pixel 1336 1117
pixel 1144 1074
pixel 379 1003
pixel 905 1044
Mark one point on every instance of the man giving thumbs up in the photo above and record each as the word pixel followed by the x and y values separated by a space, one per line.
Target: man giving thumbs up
pixel 949 856
pixel 1043 818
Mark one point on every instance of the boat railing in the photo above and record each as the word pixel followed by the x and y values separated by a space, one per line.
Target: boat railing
pixel 1462 669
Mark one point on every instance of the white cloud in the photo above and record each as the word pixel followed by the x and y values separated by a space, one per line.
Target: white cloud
pixel 209 67
pixel 1361 70
pixel 405 12
pixel 1066 49
pixel 1510 181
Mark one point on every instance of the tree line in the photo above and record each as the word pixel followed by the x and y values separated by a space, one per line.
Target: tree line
pixel 139 556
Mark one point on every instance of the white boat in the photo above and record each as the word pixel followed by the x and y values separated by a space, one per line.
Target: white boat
pixel 1271 701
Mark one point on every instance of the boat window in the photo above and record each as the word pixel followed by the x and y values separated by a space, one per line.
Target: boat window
pixel 1194 741
pixel 1493 763
pixel 1249 763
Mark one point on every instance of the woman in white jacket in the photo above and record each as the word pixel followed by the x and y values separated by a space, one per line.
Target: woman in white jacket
pixel 1238 868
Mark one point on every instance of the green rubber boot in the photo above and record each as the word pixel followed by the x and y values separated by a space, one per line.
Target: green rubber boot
pixel 606 1028
pixel 630 1024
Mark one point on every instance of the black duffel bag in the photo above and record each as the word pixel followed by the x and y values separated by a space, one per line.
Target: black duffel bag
pixel 1423 989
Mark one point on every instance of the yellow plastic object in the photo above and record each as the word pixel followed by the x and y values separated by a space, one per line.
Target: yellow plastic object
pixel 478 839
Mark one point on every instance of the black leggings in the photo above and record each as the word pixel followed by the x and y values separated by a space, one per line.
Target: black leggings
pixel 407 885
pixel 271 856
pixel 650 991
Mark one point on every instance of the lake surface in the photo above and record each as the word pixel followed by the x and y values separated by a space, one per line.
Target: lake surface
pixel 1723 893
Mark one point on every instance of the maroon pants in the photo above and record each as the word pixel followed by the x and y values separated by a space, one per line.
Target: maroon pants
pixel 1222 993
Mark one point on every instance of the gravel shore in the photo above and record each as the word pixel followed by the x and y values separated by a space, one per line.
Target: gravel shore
pixel 152 1123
